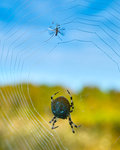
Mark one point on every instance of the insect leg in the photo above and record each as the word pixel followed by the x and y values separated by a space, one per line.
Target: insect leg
pixel 72 105
pixel 50 38
pixel 59 37
pixel 52 119
pixel 53 96
pixel 61 33
pixel 54 124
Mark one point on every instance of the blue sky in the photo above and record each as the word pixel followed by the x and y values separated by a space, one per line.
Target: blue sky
pixel 88 54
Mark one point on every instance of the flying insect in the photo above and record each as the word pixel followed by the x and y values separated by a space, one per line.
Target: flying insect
pixel 56 30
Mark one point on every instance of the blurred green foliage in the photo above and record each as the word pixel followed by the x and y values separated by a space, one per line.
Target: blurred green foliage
pixel 98 112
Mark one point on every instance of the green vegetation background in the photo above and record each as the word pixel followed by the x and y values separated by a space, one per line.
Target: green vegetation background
pixel 97 111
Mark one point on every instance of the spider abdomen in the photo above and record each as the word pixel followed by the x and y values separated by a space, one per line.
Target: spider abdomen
pixel 61 107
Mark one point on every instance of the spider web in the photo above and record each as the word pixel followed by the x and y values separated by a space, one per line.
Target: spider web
pixel 17 57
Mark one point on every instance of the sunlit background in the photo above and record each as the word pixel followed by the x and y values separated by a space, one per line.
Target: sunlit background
pixel 34 65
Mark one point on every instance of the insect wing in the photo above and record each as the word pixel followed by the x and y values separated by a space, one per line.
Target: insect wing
pixel 51 31
pixel 62 29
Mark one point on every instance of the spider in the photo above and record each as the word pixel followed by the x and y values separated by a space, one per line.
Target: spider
pixel 61 108
pixel 55 31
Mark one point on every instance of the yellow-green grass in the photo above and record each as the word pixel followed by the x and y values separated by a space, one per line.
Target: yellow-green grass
pixel 96 110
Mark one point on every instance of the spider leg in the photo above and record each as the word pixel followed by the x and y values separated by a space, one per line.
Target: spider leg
pixel 53 96
pixel 76 125
pixel 54 124
pixel 52 119
pixel 72 105
pixel 72 124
